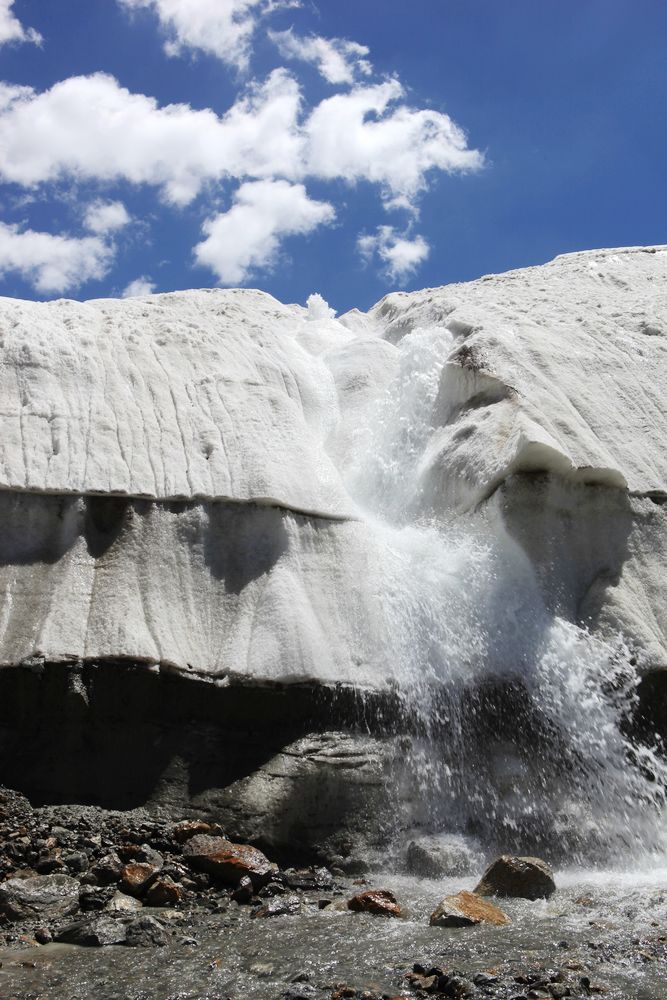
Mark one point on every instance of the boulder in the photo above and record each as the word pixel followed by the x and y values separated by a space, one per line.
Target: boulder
pixel 93 932
pixel 42 897
pixel 438 857
pixel 92 897
pixel 381 902
pixel 146 932
pixel 228 862
pixel 465 909
pixel 524 878
pixel 122 903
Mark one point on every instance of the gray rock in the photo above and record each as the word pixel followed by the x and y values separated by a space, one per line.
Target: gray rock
pixel 93 932
pixel 525 878
pixel 108 869
pixel 43 897
pixel 279 906
pixel 92 897
pixel 120 902
pixel 438 857
pixel 76 861
pixel 146 932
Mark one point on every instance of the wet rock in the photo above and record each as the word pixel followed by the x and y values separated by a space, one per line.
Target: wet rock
pixel 525 878
pixel 44 897
pixel 142 853
pixel 164 892
pixel 188 829
pixel 227 861
pixel 136 878
pixel 92 897
pixel 43 935
pixel 484 979
pixel 455 986
pixel 146 932
pixel 302 992
pixel 50 863
pixel 272 889
pixel 431 857
pixel 93 932
pixel 108 869
pixel 279 907
pixel 308 879
pixel 465 909
pixel 381 902
pixel 76 861
pixel 244 890
pixel 418 981
pixel 122 903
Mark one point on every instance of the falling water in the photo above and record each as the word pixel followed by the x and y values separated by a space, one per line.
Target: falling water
pixel 517 713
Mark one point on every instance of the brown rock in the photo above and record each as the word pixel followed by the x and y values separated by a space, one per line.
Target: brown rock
pixel 465 909
pixel 228 862
pixel 429 984
pixel 378 901
pixel 189 828
pixel 164 892
pixel 524 878
pixel 136 877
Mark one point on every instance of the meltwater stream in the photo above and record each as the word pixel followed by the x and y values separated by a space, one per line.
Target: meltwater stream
pixel 518 714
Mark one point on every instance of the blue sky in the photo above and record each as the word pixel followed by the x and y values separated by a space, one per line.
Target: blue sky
pixel 473 136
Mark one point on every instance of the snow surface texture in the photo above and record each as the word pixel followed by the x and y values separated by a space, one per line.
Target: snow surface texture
pixel 219 484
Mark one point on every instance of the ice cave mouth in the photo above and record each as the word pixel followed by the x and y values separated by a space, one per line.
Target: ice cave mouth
pixel 308 772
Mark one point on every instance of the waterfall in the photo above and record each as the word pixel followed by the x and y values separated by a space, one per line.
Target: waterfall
pixel 518 714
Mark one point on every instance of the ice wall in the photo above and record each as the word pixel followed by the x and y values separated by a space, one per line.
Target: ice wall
pixel 218 484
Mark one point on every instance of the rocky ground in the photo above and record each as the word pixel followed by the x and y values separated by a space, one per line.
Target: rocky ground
pixel 81 876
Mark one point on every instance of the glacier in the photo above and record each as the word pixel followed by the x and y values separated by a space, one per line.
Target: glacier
pixel 461 491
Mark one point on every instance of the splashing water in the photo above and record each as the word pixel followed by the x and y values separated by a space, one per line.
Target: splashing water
pixel 518 713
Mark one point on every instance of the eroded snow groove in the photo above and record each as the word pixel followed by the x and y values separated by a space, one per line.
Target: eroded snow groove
pixel 463 486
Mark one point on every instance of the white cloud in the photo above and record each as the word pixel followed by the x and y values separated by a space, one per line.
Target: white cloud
pixel 11 29
pixel 221 28
pixel 55 134
pixel 247 237
pixel 52 263
pixel 338 60
pixel 106 217
pixel 140 286
pixel 400 255
pixel 365 135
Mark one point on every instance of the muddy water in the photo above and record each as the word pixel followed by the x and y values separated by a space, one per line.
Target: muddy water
pixel 608 927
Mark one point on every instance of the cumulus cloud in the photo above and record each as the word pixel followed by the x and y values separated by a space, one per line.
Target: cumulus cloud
pixel 11 29
pixel 400 254
pixel 222 28
pixel 106 217
pixel 338 60
pixel 49 262
pixel 140 286
pixel 248 236
pixel 52 135
pixel 365 134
